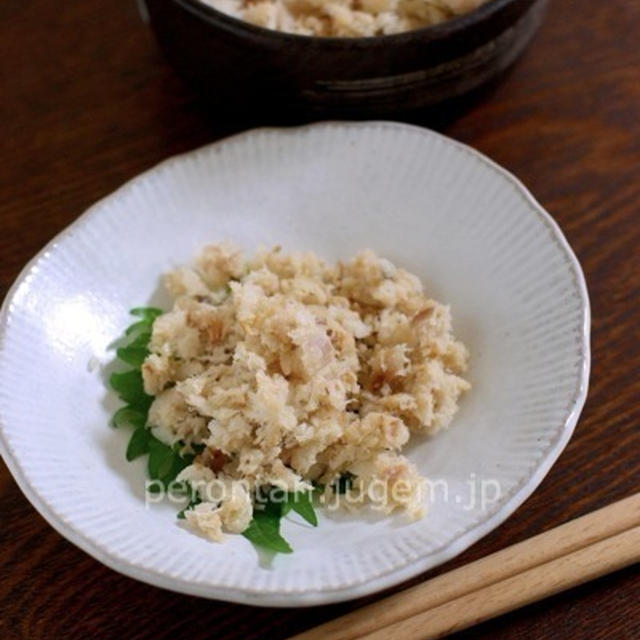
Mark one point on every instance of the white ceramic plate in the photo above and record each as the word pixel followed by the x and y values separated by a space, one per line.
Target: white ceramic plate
pixel 470 230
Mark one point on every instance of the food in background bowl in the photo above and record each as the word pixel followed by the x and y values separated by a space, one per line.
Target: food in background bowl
pixel 266 76
pixel 345 18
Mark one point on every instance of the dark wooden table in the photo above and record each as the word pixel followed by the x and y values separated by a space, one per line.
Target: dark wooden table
pixel 87 102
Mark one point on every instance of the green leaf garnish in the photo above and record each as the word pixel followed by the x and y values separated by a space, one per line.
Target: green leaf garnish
pixel 130 388
pixel 318 489
pixel 165 463
pixel 139 327
pixel 160 459
pixel 270 506
pixel 194 499
pixel 148 313
pixel 139 443
pixel 129 416
pixel 301 503
pixel 264 529
pixel 141 338
pixel 133 355
pixel 343 483
pixel 285 507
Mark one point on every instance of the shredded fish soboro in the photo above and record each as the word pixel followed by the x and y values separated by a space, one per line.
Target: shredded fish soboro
pixel 345 18
pixel 291 371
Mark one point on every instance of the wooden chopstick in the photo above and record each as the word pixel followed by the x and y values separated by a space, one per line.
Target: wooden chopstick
pixel 580 550
pixel 542 581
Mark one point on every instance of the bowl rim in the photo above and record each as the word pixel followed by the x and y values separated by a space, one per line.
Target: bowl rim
pixel 392 577
pixel 434 33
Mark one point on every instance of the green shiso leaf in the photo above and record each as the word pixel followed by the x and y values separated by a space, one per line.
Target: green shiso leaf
pixel 129 416
pixel 285 507
pixel 264 529
pixel 130 388
pixel 343 483
pixel 301 503
pixel 133 354
pixel 160 459
pixel 194 499
pixel 271 505
pixel 147 313
pixel 165 463
pixel 139 443
pixel 141 341
pixel 139 327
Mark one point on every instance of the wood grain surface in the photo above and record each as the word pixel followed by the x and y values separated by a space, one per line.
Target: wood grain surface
pixel 87 102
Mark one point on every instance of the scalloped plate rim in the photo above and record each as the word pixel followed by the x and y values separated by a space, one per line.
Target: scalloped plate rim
pixel 283 598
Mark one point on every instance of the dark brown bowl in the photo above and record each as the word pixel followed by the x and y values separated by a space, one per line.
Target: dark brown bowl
pixel 242 67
